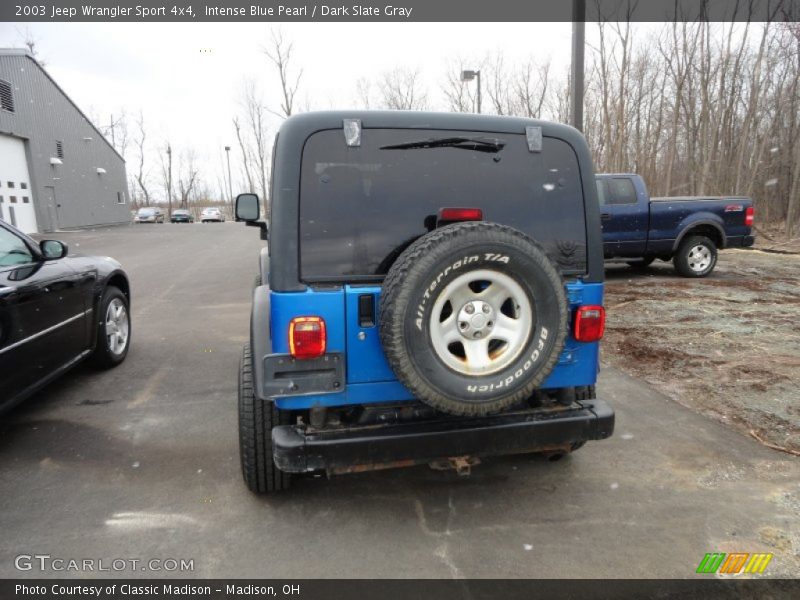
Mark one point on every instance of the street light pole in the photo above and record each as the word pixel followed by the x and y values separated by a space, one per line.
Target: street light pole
pixel 469 76
pixel 230 181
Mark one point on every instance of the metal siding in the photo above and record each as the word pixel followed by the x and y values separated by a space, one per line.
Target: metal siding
pixel 43 115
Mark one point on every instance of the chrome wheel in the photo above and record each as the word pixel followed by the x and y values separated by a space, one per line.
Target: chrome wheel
pixel 481 322
pixel 699 258
pixel 117 327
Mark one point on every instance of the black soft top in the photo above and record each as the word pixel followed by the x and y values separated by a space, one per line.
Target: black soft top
pixel 288 153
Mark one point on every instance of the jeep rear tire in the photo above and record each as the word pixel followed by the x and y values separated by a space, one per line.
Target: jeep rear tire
pixel 473 317
pixel 256 420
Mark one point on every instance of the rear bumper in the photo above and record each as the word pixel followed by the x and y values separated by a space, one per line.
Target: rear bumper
pixel 740 241
pixel 366 448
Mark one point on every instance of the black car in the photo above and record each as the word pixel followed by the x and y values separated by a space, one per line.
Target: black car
pixel 181 215
pixel 56 311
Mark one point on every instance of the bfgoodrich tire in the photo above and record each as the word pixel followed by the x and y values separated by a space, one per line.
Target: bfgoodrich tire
pixel 473 317
pixel 256 420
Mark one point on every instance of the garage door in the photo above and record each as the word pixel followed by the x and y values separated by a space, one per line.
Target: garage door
pixel 16 199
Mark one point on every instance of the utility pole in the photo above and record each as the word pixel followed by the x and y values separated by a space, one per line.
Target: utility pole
pixel 578 45
pixel 230 182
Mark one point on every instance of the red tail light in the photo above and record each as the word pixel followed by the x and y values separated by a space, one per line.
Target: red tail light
pixel 307 337
pixel 460 214
pixel 590 323
pixel 749 215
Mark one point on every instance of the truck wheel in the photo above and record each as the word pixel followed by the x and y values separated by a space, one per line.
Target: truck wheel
pixel 696 256
pixel 473 317
pixel 256 420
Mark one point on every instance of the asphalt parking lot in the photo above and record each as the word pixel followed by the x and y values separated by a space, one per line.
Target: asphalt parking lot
pixel 142 462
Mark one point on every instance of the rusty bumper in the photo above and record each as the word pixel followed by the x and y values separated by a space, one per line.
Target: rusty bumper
pixel 297 450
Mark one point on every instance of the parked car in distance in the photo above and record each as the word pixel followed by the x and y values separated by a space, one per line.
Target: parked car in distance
pixel 689 231
pixel 181 215
pixel 212 214
pixel 149 214
pixel 56 311
pixel 432 294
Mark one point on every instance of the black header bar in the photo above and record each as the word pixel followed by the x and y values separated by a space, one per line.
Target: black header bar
pixel 395 10
pixel 366 589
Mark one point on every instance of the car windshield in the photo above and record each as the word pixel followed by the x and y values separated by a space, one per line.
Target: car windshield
pixel 180 212
pixel 147 212
pixel 211 210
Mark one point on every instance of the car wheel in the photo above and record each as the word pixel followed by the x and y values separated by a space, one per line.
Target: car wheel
pixel 256 421
pixel 473 317
pixel 113 326
pixel 696 256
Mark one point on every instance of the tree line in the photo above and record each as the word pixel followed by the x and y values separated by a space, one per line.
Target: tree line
pixel 695 108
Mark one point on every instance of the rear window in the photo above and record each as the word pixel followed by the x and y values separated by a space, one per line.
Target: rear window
pixel 361 206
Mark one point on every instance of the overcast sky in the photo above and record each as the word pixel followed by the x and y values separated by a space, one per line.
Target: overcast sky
pixel 187 78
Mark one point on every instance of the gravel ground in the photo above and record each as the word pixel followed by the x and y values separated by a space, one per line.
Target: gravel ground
pixel 727 346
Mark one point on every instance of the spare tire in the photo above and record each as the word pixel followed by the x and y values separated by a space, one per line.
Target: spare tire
pixel 473 317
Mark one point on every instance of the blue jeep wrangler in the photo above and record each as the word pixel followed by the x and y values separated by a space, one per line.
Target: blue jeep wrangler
pixel 431 293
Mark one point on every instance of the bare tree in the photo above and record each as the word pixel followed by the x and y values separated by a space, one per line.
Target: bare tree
pixel 530 88
pixel 252 135
pixel 364 93
pixel 244 148
pixel 187 176
pixel 496 79
pixel 141 173
pixel 31 42
pixel 255 113
pixel 279 52
pixel 401 89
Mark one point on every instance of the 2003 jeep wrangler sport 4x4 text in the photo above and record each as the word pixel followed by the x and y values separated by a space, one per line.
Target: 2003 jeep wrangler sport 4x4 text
pixel 431 293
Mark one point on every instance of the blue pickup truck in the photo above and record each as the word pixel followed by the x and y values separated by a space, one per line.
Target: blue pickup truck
pixel 687 230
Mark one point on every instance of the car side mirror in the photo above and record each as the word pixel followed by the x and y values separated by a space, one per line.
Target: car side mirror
pixel 247 207
pixel 53 249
